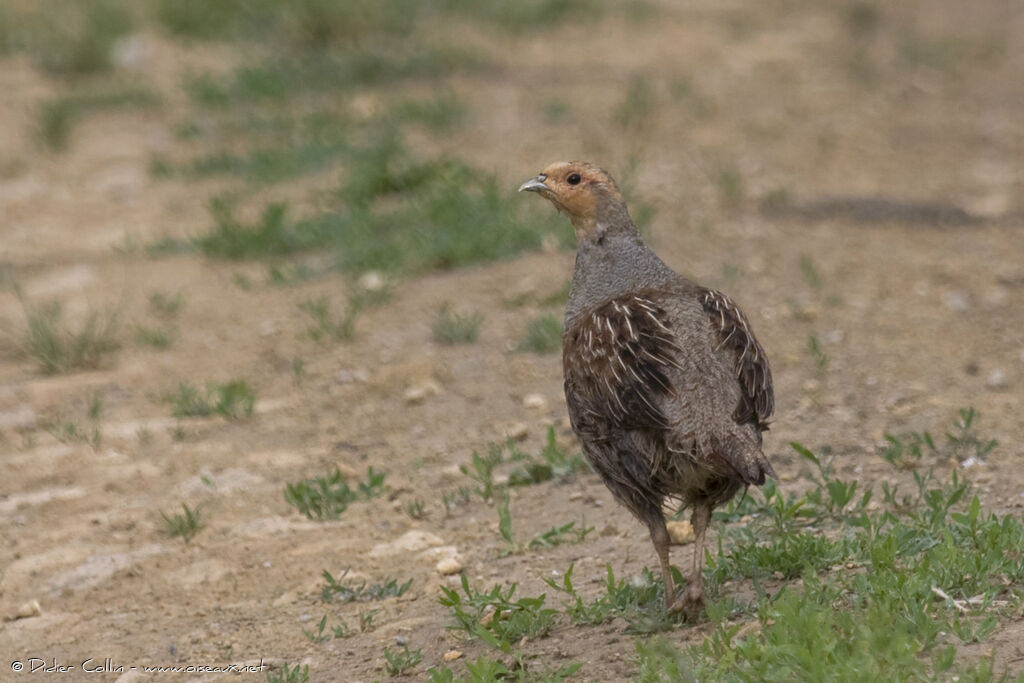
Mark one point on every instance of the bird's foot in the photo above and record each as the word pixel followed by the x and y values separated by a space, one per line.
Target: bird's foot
pixel 690 603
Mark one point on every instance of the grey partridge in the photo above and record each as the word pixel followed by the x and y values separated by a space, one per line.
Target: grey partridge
pixel 668 390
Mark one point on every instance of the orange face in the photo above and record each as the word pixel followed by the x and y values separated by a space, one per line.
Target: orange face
pixel 577 188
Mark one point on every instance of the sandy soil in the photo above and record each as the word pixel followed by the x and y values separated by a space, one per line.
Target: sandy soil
pixel 917 320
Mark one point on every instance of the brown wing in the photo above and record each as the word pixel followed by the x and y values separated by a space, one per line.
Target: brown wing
pixel 752 371
pixel 616 361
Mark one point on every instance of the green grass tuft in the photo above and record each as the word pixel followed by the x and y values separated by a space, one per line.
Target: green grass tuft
pixel 159 338
pixel 543 335
pixel 336 590
pixel 58 348
pixel 234 400
pixel 328 496
pixel 58 116
pixel 323 325
pixel 398 663
pixel 185 524
pixel 451 328
pixel 394 214
pixel 289 674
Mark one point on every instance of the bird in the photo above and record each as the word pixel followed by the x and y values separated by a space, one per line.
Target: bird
pixel 667 388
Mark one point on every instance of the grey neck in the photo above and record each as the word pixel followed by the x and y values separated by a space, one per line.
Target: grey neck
pixel 607 267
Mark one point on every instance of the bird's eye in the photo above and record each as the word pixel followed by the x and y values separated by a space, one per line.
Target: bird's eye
pixel 573 179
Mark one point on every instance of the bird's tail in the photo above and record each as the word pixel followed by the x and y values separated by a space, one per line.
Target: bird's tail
pixel 745 456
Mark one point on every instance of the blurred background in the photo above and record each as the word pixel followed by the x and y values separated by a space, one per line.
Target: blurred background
pixel 244 243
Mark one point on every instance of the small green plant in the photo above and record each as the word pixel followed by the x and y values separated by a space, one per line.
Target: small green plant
pixel 67 430
pixel 543 335
pixel 555 536
pixel 638 600
pixel 484 670
pixel 495 618
pixel 637 105
pixel 658 660
pixel 456 328
pixel 159 338
pixel 335 589
pixel 481 469
pixel 366 617
pixel 442 113
pixel 416 508
pixel 460 496
pixel 810 272
pixel 553 463
pixel 145 435
pixel 326 497
pixel 185 524
pixel 324 327
pixel 566 534
pixel 57 117
pixel 234 400
pixel 818 355
pixel 964 443
pixel 232 239
pixel 57 348
pixel 289 674
pixel 397 663
pixel 165 305
pixel 906 451
pixel 730 186
pixel 320 635
pixel 505 522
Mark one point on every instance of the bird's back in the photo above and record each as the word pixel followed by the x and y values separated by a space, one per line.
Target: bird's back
pixel 666 385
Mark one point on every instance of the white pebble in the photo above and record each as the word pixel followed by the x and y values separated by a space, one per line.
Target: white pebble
pixel 448 566
pixel 534 401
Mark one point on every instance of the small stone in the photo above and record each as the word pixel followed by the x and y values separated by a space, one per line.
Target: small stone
pixel 956 301
pixel 347 376
pixel 681 532
pixel 517 431
pixel 23 417
pixel 778 575
pixel 996 379
pixel 447 566
pixel 133 53
pixel 27 610
pixel 372 281
pixel 451 655
pixel 401 640
pixel 576 495
pixel 996 297
pixel 534 401
pixel 419 392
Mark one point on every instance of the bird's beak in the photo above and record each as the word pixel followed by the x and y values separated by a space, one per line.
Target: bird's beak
pixel 535 184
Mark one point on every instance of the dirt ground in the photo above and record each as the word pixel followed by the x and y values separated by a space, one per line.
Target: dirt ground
pixel 917 318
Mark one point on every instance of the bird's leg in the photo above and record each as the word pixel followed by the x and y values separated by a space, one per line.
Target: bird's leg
pixel 660 539
pixel 692 600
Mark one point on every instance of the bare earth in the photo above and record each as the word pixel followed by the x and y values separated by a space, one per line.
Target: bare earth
pixel 917 320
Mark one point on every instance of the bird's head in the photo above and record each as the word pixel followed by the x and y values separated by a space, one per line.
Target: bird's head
pixel 586 194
